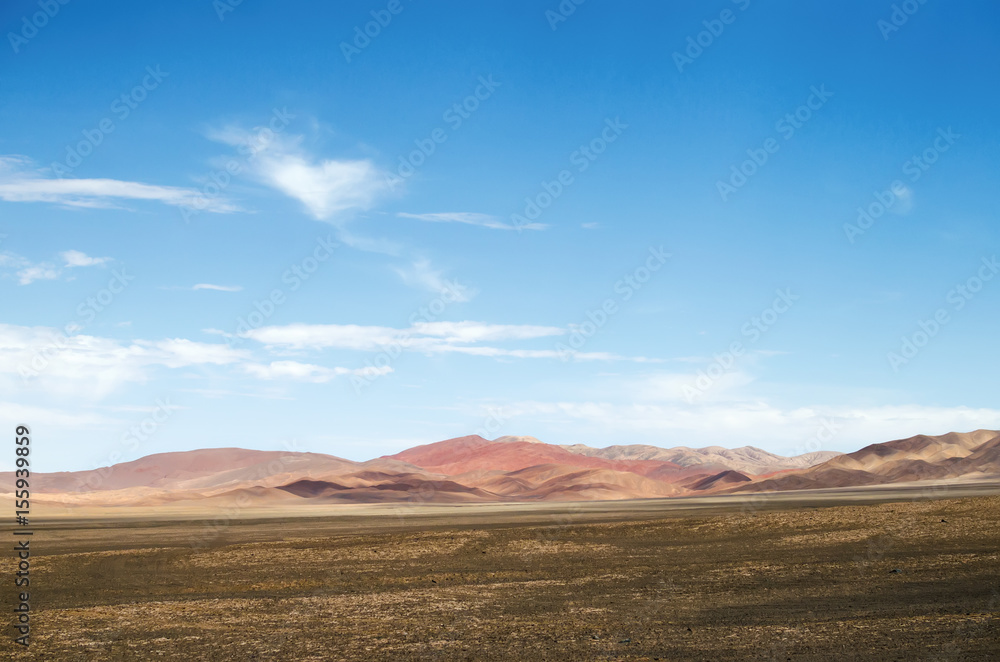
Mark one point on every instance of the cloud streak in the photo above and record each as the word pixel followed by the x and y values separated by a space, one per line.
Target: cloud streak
pixel 29 272
pixel 18 183
pixel 428 337
pixel 218 288
pixel 327 188
pixel 421 274
pixel 471 218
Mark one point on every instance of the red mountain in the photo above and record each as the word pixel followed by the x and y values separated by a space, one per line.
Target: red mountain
pixel 473 453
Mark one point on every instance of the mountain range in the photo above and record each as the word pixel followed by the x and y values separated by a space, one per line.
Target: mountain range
pixel 510 468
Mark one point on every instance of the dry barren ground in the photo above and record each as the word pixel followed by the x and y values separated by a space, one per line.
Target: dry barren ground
pixel 914 580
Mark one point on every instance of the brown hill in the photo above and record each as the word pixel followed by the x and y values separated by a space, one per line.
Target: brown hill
pixel 473 469
pixel 746 459
pixel 921 457
pixel 726 478
pixel 464 454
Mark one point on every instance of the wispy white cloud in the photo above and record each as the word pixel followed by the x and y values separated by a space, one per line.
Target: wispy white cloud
pixel 467 332
pixel 81 259
pixel 421 274
pixel 326 187
pixel 323 336
pixel 28 272
pixel 35 272
pixel 430 338
pixel 471 218
pixel 92 366
pixel 304 372
pixel 220 288
pixel 20 183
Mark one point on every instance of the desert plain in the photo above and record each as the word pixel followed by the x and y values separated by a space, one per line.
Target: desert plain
pixel 901 572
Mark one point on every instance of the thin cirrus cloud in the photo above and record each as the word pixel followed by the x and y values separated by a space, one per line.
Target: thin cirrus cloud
pixel 28 272
pixel 422 275
pixel 327 188
pixel 218 288
pixel 471 218
pixel 19 182
pixel 465 337
pixel 305 372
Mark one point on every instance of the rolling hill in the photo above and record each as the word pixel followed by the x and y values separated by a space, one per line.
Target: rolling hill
pixel 474 469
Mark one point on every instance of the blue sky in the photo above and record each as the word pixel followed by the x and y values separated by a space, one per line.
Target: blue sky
pixel 244 225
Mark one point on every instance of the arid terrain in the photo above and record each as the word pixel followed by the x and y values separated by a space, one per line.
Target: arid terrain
pixel 908 573
pixel 472 469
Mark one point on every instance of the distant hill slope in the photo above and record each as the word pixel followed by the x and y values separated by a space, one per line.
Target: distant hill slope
pixel 923 457
pixel 474 469
pixel 746 459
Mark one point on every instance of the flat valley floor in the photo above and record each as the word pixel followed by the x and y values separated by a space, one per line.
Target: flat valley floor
pixel 848 575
